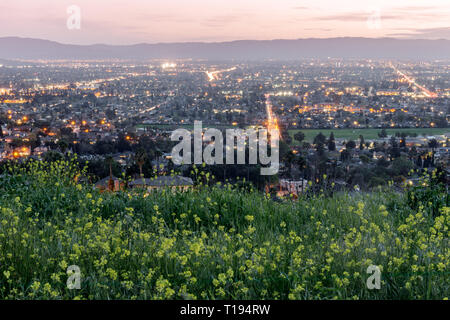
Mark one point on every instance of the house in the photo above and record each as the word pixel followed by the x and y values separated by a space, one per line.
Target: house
pixel 287 187
pixel 179 183
pixel 110 184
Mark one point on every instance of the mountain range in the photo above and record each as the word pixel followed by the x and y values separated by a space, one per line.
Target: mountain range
pixel 347 47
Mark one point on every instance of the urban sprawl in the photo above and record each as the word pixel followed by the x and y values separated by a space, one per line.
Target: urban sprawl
pixel 354 124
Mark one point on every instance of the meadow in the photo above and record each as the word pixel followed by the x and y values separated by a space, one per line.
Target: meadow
pixel 368 134
pixel 215 242
pixel 182 126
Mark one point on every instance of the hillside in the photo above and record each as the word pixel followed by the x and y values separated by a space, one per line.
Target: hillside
pixel 347 47
pixel 215 242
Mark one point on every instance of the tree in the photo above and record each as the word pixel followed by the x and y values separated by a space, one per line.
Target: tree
pixel 345 155
pixel 301 162
pixel 109 160
pixel 35 141
pixel 433 144
pixel 140 157
pixel 122 143
pixel 103 147
pixel 289 160
pixel 394 150
pixel 350 145
pixel 66 133
pixel 284 149
pixel 320 150
pixel 401 166
pixel 331 143
pixel 63 146
pixel 361 142
pixel 403 142
pixel 393 142
pixel 2 121
pixel 382 162
pixel 286 137
pixel 383 133
pixel 302 166
pixel 376 181
pixel 306 145
pixel 52 156
pixel 364 158
pixel 299 136
pixel 320 139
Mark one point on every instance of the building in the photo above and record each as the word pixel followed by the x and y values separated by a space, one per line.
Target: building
pixel 176 183
pixel 110 184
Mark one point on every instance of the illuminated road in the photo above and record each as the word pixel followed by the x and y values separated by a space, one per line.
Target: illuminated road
pixel 413 82
pixel 212 75
pixel 272 122
pixel 150 109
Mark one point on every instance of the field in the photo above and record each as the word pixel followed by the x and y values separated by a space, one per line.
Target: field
pixel 213 242
pixel 165 126
pixel 182 126
pixel 368 134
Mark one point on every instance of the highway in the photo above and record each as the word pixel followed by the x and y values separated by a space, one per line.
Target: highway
pixel 413 82
pixel 212 75
pixel 272 122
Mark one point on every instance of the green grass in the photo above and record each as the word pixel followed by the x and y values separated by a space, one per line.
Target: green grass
pixel 183 126
pixel 368 134
pixel 165 126
pixel 212 243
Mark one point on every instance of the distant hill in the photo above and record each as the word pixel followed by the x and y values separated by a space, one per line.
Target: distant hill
pixel 5 62
pixel 26 48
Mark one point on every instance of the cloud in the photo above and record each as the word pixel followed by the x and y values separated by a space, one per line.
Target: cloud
pixel 415 8
pixel 347 17
pixel 221 21
pixel 318 29
pixel 301 8
pixel 146 17
pixel 424 33
pixel 386 13
pixel 362 16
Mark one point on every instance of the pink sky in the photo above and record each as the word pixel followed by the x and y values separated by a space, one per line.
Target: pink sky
pixel 134 21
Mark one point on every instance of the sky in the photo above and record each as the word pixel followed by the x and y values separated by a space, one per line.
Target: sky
pixel 154 21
